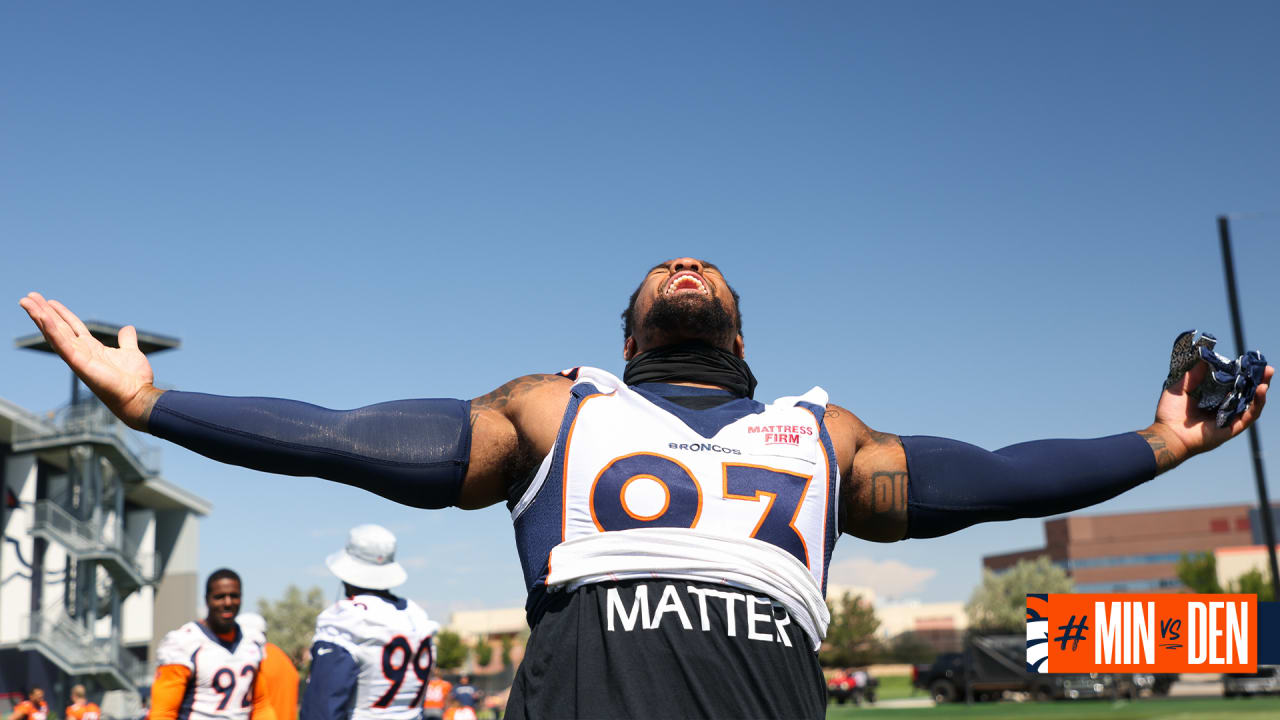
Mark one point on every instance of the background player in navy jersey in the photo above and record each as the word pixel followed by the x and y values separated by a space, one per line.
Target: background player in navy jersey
pixel 674 532
pixel 465 693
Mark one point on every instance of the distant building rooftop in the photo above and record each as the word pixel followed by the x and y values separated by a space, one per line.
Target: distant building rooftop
pixel 1137 551
pixel 106 333
pixel 474 623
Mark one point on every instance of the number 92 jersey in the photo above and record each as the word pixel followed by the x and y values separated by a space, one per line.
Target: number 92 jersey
pixel 741 477
pixel 392 644
pixel 222 674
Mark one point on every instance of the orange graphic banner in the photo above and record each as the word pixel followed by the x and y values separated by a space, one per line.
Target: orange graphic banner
pixel 1142 632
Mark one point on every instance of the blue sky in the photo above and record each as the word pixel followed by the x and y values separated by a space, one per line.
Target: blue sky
pixel 984 221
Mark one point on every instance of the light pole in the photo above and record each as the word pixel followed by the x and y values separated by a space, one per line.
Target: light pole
pixel 1255 447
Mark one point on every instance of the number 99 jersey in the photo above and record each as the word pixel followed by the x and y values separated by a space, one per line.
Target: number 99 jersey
pixel 392 644
pixel 223 674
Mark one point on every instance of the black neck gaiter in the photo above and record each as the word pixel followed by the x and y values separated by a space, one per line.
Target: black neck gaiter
pixel 692 362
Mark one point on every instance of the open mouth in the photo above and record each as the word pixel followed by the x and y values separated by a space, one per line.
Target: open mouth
pixel 686 281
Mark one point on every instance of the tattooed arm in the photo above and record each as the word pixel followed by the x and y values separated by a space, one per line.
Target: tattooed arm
pixel 1166 459
pixel 512 429
pixel 954 485
pixel 873 478
pixel 916 486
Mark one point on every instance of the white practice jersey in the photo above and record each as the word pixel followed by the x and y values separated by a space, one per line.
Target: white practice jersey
pixel 638 487
pixel 222 674
pixel 394 649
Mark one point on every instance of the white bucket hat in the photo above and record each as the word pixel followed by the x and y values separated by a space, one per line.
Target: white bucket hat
pixel 250 622
pixel 369 559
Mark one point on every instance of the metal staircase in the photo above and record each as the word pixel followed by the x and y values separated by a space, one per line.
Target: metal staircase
pixel 87 521
pixel 85 540
pixel 74 649
pixel 90 423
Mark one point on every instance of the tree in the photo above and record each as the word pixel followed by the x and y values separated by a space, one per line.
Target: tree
pixel 851 638
pixel 508 642
pixel 291 621
pixel 999 604
pixel 1199 572
pixel 450 651
pixel 483 652
pixel 1253 583
pixel 909 647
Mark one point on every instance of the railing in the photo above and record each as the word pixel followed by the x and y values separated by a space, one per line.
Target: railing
pixel 94 417
pixel 72 643
pixel 91 417
pixel 75 648
pixel 83 537
pixel 76 534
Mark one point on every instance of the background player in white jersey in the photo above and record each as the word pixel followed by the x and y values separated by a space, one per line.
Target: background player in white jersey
pixel 373 652
pixel 674 532
pixel 210 668
pixel 277 674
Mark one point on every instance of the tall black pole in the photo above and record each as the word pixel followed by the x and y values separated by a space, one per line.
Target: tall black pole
pixel 1259 475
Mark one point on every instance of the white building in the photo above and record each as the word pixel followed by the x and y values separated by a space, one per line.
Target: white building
pixel 473 624
pixel 940 624
pixel 99 552
pixel 1232 562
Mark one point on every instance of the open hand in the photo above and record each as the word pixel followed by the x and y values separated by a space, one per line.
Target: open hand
pixel 120 377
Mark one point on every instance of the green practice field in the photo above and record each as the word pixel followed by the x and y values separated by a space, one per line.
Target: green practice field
pixel 1147 709
pixel 897 686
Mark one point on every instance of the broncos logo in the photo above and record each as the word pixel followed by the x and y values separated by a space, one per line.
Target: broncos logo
pixel 1038 633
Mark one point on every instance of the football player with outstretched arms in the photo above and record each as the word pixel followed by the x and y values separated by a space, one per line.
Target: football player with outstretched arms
pixel 210 669
pixel 373 651
pixel 674 532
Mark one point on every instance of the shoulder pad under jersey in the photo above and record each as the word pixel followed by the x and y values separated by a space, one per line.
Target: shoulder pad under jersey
pixel 421 621
pixel 255 637
pixel 342 623
pixel 179 645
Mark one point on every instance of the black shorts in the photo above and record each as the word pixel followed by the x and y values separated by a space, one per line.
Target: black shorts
pixel 667 649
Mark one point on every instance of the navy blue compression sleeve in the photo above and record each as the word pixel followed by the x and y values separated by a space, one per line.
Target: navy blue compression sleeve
pixel 412 451
pixel 331 684
pixel 954 485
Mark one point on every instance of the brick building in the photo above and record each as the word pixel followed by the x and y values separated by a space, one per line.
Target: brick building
pixel 1137 552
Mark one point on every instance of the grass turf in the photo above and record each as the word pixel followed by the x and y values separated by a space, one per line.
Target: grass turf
pixel 1146 709
pixel 897 686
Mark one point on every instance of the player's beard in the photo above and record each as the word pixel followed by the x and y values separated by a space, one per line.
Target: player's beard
pixel 680 318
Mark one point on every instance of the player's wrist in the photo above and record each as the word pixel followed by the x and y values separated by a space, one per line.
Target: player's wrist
pixel 1169 448
pixel 139 416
